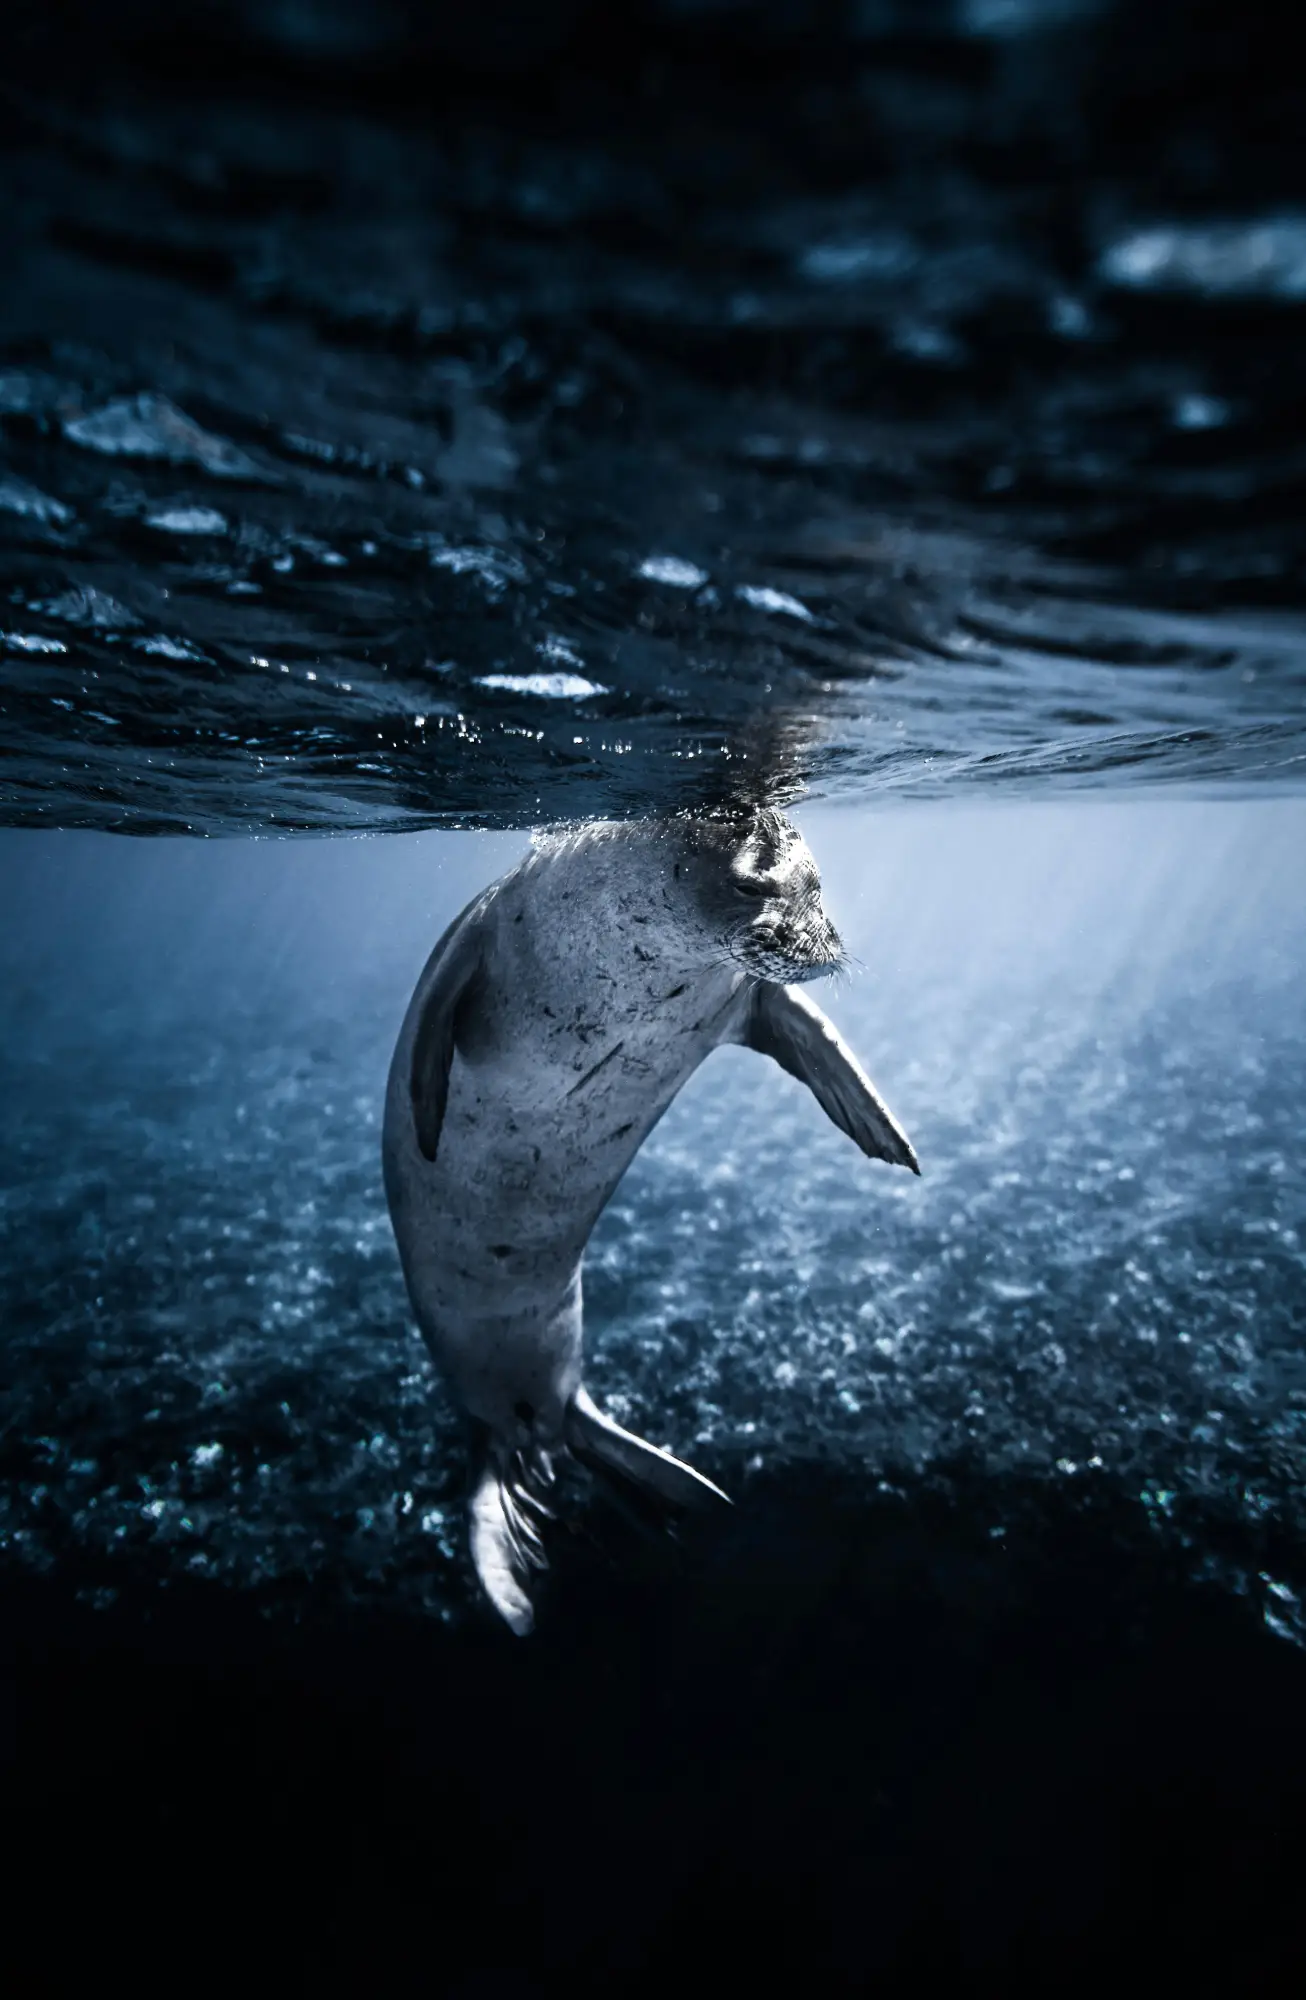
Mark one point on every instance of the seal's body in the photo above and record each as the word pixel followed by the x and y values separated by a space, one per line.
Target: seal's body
pixel 553 1024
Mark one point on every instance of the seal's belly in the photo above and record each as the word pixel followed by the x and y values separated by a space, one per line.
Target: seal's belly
pixel 530 1151
pixel 516 1191
pixel 546 1107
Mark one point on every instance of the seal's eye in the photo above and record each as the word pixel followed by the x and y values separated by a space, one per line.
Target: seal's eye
pixel 752 886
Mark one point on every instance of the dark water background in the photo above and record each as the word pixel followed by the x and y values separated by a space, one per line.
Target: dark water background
pixel 417 419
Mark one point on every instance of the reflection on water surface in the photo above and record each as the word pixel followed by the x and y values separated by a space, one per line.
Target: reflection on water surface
pixel 372 461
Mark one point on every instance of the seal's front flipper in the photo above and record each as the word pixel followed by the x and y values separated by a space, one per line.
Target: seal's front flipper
pixel 505 1543
pixel 450 981
pixel 785 1025
pixel 603 1445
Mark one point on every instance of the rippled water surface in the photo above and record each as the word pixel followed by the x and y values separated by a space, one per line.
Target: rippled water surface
pixel 486 460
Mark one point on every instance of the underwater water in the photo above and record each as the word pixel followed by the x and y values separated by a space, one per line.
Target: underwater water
pixel 419 429
pixel 1090 1021
pixel 1058 1380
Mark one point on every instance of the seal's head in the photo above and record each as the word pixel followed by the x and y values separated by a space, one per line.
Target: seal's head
pixel 761 894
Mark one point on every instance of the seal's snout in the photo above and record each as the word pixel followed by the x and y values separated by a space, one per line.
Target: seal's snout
pixel 830 952
pixel 790 945
pixel 818 948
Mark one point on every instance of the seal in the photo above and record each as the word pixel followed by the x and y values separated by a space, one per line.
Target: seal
pixel 553 1024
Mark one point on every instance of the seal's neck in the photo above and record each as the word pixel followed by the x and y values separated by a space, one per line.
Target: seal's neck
pixel 618 888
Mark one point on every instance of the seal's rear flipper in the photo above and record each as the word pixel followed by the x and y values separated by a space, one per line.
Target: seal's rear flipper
pixel 505 1542
pixel 603 1445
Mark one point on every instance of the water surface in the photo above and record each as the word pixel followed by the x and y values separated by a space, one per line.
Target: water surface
pixel 384 453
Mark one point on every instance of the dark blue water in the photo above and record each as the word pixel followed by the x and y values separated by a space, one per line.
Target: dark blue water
pixel 1090 1020
pixel 420 426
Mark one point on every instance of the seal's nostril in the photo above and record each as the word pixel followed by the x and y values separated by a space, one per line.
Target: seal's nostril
pixel 524 1413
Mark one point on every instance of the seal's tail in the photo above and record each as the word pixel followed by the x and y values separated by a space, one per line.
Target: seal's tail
pixel 604 1446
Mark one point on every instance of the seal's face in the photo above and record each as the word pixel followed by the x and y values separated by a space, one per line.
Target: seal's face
pixel 764 899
